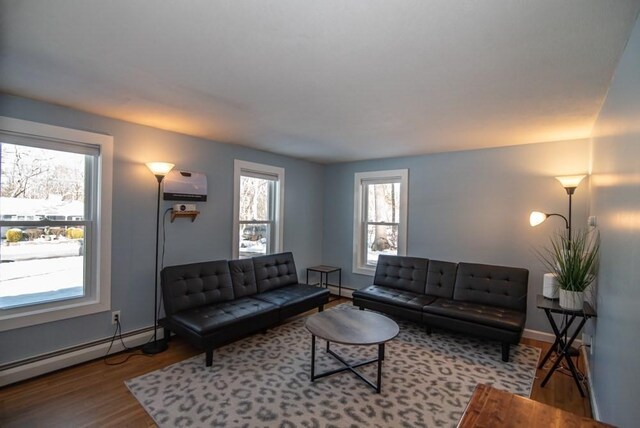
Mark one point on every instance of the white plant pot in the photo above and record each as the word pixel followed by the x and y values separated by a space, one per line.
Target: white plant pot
pixel 571 300
pixel 550 287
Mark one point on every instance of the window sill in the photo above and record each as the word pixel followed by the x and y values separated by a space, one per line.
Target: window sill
pixel 26 318
pixel 362 270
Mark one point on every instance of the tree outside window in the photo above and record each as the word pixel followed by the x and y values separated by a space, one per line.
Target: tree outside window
pixel 258 206
pixel 380 220
pixel 383 216
pixel 256 216
pixel 55 223
pixel 42 207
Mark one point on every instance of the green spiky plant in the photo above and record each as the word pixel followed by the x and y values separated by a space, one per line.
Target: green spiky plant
pixel 575 261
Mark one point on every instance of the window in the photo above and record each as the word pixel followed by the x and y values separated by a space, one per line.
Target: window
pixel 380 217
pixel 55 221
pixel 258 207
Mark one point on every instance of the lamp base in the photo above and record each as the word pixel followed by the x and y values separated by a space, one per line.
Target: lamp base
pixel 154 347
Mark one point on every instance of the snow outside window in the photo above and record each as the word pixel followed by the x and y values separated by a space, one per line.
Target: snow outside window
pixel 258 207
pixel 55 199
pixel 380 220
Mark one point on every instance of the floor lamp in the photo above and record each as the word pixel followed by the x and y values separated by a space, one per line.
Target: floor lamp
pixel 569 183
pixel 159 169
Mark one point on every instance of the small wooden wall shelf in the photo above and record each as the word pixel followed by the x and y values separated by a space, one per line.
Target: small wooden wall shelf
pixel 190 214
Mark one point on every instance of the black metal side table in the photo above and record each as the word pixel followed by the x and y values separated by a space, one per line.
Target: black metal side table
pixel 553 307
pixel 324 270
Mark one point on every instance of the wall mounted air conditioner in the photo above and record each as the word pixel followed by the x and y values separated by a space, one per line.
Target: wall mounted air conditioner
pixel 185 186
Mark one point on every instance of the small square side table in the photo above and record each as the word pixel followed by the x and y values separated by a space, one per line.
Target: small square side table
pixel 324 271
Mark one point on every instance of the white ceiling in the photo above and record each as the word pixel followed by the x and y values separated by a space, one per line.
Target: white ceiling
pixel 329 80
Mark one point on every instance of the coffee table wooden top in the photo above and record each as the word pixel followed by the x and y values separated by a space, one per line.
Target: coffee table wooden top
pixel 352 327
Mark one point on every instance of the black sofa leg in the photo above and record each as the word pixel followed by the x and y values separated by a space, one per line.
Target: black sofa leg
pixel 167 335
pixel 209 357
pixel 428 328
pixel 320 308
pixel 505 352
pixel 361 308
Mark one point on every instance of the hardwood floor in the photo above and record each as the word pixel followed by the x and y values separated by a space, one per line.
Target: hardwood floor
pixel 93 393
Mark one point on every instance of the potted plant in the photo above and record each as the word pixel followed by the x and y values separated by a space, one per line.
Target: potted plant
pixel 574 263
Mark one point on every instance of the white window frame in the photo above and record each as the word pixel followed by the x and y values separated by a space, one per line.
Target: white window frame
pixel 240 166
pixel 98 289
pixel 401 176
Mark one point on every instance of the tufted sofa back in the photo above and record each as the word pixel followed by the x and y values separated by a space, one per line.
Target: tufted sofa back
pixel 401 272
pixel 492 285
pixel 274 271
pixel 243 278
pixel 441 278
pixel 196 284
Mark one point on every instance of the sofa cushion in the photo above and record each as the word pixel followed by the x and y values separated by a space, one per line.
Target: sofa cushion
pixel 291 294
pixel 243 278
pixel 441 278
pixel 274 271
pixel 501 286
pixel 492 316
pixel 209 318
pixel 197 284
pixel 394 296
pixel 402 273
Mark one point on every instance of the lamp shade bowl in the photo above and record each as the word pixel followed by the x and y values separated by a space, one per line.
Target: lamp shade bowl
pixel 160 168
pixel 537 217
pixel 570 181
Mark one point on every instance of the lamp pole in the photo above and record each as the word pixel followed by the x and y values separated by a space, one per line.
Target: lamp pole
pixel 156 347
pixel 159 169
pixel 570 191
pixel 570 183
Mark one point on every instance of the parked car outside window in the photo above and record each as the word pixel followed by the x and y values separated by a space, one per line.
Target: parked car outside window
pixel 254 232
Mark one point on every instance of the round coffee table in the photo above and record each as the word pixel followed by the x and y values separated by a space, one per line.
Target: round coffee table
pixel 351 327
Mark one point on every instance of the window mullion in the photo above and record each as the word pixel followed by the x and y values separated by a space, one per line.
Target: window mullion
pixel 382 223
pixel 365 224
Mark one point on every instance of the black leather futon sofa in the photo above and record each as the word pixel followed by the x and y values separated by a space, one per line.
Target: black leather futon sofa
pixel 213 303
pixel 482 300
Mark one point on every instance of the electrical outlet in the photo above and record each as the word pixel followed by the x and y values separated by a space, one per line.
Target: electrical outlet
pixel 115 317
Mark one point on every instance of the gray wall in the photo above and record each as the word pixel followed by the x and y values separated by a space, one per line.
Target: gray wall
pixel 616 203
pixel 468 206
pixel 134 209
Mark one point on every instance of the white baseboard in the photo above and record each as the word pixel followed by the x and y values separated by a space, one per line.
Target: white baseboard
pixel 595 412
pixel 60 359
pixel 345 292
pixel 538 335
pixel 545 337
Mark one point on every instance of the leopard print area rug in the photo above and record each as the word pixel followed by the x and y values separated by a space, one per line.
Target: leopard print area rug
pixel 263 381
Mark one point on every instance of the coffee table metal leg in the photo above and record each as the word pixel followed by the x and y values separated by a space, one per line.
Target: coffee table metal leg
pixel 313 357
pixel 380 360
pixel 350 367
